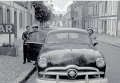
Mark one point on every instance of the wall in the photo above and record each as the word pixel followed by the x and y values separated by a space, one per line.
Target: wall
pixel 18 16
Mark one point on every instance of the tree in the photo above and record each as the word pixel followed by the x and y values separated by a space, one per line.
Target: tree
pixel 42 12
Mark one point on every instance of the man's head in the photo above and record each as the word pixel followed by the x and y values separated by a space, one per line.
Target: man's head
pixel 90 32
pixel 27 28
pixel 35 27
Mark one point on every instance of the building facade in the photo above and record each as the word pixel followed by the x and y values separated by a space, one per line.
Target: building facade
pixel 68 17
pixel 17 13
pixel 75 16
pixel 102 16
pixel 92 15
pixel 79 14
pixel 108 17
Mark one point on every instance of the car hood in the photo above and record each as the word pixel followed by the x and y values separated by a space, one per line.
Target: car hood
pixel 80 56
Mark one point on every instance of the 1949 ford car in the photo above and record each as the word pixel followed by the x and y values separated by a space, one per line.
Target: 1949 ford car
pixel 70 56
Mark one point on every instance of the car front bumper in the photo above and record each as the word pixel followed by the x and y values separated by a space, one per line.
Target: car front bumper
pixel 98 80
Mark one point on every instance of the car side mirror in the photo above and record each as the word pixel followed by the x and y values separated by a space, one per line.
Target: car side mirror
pixel 96 43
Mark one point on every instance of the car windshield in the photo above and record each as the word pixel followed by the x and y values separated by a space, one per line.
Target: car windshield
pixel 72 37
pixel 57 38
pixel 81 38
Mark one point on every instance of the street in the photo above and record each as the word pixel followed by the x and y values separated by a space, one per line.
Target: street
pixel 27 24
pixel 112 55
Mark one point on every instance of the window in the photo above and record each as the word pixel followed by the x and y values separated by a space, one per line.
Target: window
pixel 20 20
pixel 90 10
pixel 15 23
pixel 15 18
pixel 65 37
pixel 57 38
pixel 115 7
pixel 109 25
pixel 102 24
pixel 31 6
pixel 100 9
pixel 8 16
pixel 94 10
pixel 105 6
pixel 80 38
pixel 97 8
pixel 31 19
pixel 114 26
pixel 1 15
pixel 76 14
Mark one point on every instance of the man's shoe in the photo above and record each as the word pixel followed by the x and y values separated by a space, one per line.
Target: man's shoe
pixel 24 62
pixel 29 62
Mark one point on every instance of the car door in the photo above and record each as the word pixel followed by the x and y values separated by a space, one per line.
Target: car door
pixel 35 43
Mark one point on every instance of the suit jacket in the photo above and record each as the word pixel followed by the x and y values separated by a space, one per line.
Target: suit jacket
pixel 25 36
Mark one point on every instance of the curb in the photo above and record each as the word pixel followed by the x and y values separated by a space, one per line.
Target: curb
pixel 108 43
pixel 25 76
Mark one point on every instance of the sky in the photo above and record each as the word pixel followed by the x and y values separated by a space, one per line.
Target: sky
pixel 60 6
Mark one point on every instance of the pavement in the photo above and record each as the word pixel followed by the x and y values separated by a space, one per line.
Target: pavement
pixel 108 39
pixel 12 69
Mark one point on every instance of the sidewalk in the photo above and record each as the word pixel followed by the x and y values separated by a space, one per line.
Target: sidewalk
pixel 108 39
pixel 12 69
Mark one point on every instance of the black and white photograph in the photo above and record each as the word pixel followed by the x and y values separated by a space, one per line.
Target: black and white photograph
pixel 59 41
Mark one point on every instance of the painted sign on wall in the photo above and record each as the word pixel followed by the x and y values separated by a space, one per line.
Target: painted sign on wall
pixel 7 29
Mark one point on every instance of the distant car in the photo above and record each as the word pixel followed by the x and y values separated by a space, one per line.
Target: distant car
pixel 69 55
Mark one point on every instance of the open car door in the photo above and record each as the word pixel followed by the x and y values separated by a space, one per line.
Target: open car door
pixel 35 42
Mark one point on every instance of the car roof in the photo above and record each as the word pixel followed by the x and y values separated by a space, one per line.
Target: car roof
pixel 55 30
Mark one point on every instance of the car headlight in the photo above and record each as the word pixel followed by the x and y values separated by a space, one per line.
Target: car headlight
pixel 100 62
pixel 42 62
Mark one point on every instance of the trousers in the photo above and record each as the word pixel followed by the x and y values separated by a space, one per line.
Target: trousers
pixel 26 53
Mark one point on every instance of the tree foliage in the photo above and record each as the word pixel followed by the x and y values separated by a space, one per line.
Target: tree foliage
pixel 42 12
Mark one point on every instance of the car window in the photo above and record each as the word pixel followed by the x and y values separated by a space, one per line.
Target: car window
pixel 57 38
pixel 38 36
pixel 81 38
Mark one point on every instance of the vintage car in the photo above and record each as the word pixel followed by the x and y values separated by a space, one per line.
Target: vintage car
pixel 69 56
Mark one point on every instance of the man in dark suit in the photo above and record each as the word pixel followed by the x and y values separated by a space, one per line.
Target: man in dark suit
pixel 25 36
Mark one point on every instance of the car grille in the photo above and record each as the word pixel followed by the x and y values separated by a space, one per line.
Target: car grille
pixel 62 73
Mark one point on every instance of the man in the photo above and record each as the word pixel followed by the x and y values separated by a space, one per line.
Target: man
pixel 90 32
pixel 25 37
